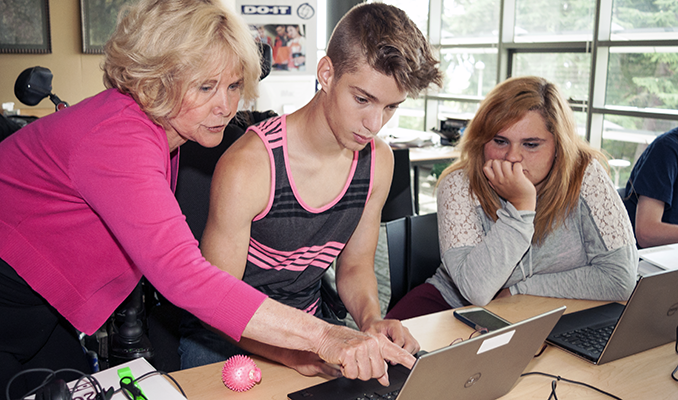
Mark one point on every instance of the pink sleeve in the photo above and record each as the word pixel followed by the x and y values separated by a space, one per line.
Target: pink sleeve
pixel 127 185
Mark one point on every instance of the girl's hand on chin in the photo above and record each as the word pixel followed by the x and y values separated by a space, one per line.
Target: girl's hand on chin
pixel 509 181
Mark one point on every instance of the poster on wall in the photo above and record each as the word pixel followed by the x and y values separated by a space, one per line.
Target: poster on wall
pixel 25 27
pixel 289 27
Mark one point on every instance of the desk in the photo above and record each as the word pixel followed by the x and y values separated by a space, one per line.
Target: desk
pixel 36 112
pixel 641 376
pixel 432 155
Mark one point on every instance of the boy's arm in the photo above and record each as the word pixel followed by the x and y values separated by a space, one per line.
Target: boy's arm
pixel 356 281
pixel 650 229
pixel 240 190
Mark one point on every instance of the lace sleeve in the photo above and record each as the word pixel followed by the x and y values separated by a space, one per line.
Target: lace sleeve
pixel 458 222
pixel 607 208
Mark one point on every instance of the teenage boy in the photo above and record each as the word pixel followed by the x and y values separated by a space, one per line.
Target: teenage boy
pixel 298 191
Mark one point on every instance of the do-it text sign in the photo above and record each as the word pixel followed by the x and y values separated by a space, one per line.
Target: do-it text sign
pixel 265 10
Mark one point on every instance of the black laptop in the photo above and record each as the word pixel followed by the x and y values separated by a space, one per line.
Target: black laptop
pixel 485 367
pixel 612 331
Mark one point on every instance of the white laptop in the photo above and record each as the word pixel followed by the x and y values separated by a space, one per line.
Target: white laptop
pixel 658 258
pixel 485 367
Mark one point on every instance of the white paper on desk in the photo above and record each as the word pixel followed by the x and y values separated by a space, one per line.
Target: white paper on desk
pixel 155 387
pixel 665 257
pixel 401 137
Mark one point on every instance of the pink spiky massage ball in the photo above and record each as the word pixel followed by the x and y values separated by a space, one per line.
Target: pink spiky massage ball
pixel 240 373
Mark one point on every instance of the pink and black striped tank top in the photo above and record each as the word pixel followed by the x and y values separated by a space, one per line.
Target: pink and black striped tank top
pixel 292 244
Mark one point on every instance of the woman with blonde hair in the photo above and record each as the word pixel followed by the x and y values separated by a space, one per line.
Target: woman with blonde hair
pixel 88 202
pixel 528 208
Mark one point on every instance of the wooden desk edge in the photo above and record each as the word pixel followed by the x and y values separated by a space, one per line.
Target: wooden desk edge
pixel 644 375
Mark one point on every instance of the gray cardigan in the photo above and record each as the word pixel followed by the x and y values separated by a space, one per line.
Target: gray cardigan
pixel 592 256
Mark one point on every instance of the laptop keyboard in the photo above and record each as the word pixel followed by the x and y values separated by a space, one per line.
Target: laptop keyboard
pixel 593 340
pixel 376 396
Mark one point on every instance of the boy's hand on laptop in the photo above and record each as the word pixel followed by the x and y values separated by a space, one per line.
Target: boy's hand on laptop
pixel 394 331
pixel 361 355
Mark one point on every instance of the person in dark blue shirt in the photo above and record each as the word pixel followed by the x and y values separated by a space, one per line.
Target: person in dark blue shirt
pixel 651 192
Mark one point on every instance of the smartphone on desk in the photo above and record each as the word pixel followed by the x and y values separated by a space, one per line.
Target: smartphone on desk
pixel 479 317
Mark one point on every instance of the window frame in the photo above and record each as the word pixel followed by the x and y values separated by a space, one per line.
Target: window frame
pixel 599 47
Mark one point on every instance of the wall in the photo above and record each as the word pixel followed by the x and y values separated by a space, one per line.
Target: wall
pixel 76 75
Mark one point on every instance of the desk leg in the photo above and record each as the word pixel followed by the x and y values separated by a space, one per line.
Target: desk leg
pixel 415 188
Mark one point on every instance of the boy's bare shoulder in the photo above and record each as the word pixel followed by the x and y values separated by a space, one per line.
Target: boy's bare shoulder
pixel 382 146
pixel 248 155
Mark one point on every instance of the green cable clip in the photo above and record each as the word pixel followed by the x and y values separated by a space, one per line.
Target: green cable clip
pixel 129 386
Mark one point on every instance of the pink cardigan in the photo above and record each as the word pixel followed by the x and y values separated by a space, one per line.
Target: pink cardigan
pixel 87 207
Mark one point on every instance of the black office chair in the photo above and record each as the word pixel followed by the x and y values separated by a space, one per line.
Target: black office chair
pixel 626 199
pixel 630 201
pixel 413 252
pixel 400 200
pixel 196 166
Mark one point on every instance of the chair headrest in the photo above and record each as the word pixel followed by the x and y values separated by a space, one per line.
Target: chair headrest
pixel 33 85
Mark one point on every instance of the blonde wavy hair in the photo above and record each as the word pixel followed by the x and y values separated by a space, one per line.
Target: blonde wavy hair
pixel 161 48
pixel 505 105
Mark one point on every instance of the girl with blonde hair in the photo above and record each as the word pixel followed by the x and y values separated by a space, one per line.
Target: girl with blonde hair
pixel 527 209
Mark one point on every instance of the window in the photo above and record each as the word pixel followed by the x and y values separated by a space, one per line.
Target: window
pixel 620 72
pixel 644 20
pixel 470 21
pixel 469 71
pixel 570 71
pixel 554 20
pixel 642 78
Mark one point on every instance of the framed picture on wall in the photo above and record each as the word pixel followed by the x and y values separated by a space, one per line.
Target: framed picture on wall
pixel 24 27
pixel 98 19
pixel 289 27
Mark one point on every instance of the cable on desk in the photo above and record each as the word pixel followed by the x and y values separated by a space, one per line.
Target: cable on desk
pixel 560 378
pixel 99 392
pixel 479 331
pixel 553 391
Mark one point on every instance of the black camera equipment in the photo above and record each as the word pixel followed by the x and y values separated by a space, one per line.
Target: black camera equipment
pixel 450 130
